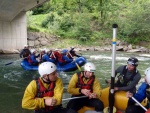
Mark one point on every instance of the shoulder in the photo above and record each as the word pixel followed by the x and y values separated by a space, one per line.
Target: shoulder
pixel 58 80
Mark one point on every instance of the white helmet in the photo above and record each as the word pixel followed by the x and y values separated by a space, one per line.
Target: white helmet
pixel 89 67
pixel 147 73
pixel 25 45
pixel 46 68
pixel 32 51
pixel 46 51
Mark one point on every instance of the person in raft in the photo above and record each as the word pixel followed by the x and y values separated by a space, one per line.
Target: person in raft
pixel 142 93
pixel 44 95
pixel 86 84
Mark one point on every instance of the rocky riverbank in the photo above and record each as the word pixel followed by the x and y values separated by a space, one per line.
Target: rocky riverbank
pixel 42 40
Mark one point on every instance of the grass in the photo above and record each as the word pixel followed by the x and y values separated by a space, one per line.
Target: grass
pixel 67 43
pixel 35 21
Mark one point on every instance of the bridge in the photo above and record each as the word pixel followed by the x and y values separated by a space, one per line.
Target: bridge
pixel 13 28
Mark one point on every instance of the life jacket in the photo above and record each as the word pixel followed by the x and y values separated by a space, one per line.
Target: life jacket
pixel 80 84
pixel 60 58
pixel 29 59
pixel 43 92
pixel 122 80
pixel 26 53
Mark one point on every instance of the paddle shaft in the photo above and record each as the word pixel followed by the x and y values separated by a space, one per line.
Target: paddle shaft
pixel 139 103
pixel 74 98
pixel 111 94
pixel 13 61
pixel 75 62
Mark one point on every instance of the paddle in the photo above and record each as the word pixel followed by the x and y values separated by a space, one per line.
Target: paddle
pixel 111 93
pixel 74 98
pixel 75 62
pixel 13 62
pixel 139 103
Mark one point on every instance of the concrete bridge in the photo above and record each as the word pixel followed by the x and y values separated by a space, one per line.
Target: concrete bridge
pixel 13 30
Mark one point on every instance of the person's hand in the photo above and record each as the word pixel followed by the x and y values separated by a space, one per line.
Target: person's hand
pixel 86 92
pixel 108 81
pixel 148 111
pixel 116 88
pixel 92 95
pixel 50 101
pixel 128 94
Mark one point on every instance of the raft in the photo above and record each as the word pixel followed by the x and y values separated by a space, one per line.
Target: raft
pixel 121 101
pixel 80 61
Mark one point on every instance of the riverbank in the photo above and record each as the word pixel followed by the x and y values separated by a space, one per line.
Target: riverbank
pixel 42 40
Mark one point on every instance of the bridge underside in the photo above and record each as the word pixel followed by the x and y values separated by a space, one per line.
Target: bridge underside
pixel 13 30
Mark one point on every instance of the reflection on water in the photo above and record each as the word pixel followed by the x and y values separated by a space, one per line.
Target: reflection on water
pixel 13 79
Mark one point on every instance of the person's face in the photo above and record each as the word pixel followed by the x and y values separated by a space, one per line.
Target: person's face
pixel 88 74
pixel 130 67
pixel 53 76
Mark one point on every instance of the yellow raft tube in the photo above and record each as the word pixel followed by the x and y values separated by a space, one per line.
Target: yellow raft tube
pixel 121 100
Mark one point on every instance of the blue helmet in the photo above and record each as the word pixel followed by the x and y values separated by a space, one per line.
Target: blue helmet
pixel 64 51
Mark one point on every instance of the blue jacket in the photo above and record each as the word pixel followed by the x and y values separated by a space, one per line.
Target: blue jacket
pixel 33 58
pixel 46 58
pixel 141 93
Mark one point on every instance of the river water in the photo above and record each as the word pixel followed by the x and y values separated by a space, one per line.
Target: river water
pixel 13 79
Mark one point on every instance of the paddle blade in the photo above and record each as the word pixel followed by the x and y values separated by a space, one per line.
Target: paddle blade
pixel 8 63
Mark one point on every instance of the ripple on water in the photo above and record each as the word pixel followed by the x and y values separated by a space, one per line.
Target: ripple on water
pixel 12 75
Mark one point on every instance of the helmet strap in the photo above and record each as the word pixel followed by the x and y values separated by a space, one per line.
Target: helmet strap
pixel 46 80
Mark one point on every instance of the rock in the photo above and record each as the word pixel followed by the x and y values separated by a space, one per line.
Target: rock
pixel 13 51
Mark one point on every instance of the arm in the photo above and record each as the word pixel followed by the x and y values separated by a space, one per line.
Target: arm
pixel 132 84
pixel 141 94
pixel 33 58
pixel 67 59
pixel 97 88
pixel 58 91
pixel 21 53
pixel 72 85
pixel 29 101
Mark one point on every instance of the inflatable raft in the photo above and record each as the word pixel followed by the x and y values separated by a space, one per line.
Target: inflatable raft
pixel 121 101
pixel 80 61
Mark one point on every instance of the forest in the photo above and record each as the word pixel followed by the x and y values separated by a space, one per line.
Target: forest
pixel 91 20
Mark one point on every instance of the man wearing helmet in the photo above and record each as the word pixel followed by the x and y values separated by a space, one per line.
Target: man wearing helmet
pixel 128 77
pixel 25 52
pixel 63 59
pixel 142 93
pixel 85 83
pixel 32 58
pixel 44 95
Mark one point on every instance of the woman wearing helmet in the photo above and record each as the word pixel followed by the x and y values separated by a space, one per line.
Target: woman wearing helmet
pixel 142 93
pixel 85 83
pixel 44 95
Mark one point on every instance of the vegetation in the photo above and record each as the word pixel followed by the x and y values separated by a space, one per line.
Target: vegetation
pixel 91 20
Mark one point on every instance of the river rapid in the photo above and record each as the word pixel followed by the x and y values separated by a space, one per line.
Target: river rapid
pixel 13 79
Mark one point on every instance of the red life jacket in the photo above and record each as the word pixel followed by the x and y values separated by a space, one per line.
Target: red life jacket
pixel 80 84
pixel 29 59
pixel 60 58
pixel 43 92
